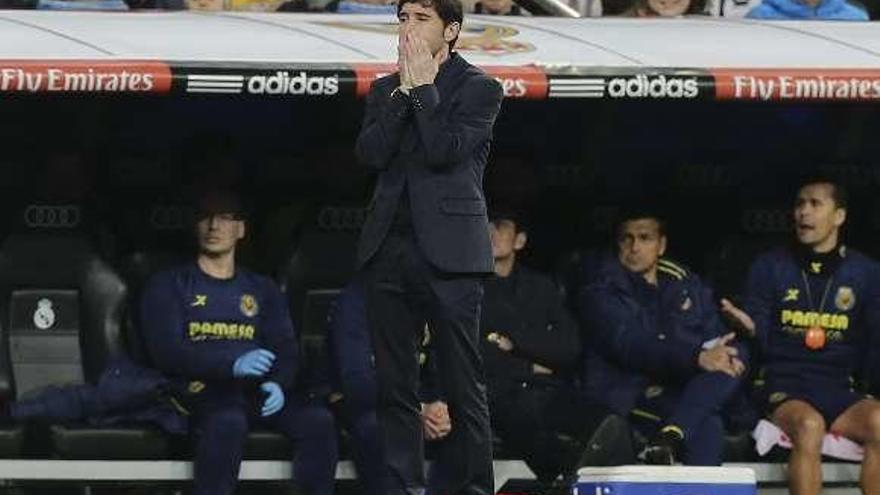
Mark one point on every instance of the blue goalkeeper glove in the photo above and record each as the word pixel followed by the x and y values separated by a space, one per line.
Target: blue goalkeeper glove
pixel 253 363
pixel 274 398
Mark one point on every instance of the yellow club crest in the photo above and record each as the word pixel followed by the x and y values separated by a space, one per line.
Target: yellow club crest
pixel 845 298
pixel 249 306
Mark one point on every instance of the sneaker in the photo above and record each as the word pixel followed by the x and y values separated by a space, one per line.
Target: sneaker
pixel 665 448
pixel 609 445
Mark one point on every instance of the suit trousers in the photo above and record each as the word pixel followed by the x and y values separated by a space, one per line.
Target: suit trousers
pixel 405 292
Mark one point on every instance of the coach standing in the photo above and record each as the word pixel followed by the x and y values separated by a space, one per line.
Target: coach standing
pixel 425 243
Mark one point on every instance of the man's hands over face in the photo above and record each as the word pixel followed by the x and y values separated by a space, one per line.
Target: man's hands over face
pixel 414 59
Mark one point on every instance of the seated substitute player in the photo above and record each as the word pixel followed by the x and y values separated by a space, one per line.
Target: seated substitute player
pixel 657 351
pixel 228 332
pixel 814 309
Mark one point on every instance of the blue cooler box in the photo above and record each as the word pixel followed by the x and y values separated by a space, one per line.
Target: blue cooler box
pixel 665 480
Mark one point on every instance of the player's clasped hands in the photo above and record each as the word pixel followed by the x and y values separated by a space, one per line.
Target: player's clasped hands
pixel 253 363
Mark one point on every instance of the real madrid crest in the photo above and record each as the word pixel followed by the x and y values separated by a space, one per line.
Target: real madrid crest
pixel 845 298
pixel 44 316
pixel 249 306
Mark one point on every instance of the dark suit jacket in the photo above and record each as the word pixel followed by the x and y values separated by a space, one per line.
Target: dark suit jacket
pixel 435 142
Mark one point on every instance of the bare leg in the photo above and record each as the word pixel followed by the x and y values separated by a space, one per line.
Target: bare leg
pixel 806 428
pixel 861 422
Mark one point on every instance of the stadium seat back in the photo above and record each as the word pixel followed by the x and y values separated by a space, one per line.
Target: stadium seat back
pixel 314 274
pixel 321 265
pixel 60 305
pixel 136 269
pixel 728 264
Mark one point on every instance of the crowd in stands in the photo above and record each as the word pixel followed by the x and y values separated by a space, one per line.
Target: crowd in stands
pixel 844 10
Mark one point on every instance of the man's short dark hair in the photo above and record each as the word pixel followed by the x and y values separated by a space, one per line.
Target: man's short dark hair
pixel 838 191
pixel 641 212
pixel 449 11
pixel 501 212
pixel 217 201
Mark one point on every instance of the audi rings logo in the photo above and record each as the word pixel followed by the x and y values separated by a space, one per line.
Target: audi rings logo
pixel 767 221
pixel 341 219
pixel 571 176
pixel 52 216
pixel 168 217
pixel 704 176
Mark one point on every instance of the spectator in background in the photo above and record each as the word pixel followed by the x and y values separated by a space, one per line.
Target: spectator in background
pixel 658 351
pixel 530 345
pixel 836 10
pixel 497 7
pixel 156 4
pixel 731 8
pixel 665 8
pixel 386 7
pixel 815 312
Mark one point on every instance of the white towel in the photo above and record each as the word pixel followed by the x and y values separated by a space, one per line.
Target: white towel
pixel 766 435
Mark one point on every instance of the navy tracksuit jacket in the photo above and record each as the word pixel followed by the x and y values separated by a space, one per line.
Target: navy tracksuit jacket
pixel 195 327
pixel 787 293
pixel 642 347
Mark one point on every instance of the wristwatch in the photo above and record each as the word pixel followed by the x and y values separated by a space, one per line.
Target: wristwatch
pixel 400 91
